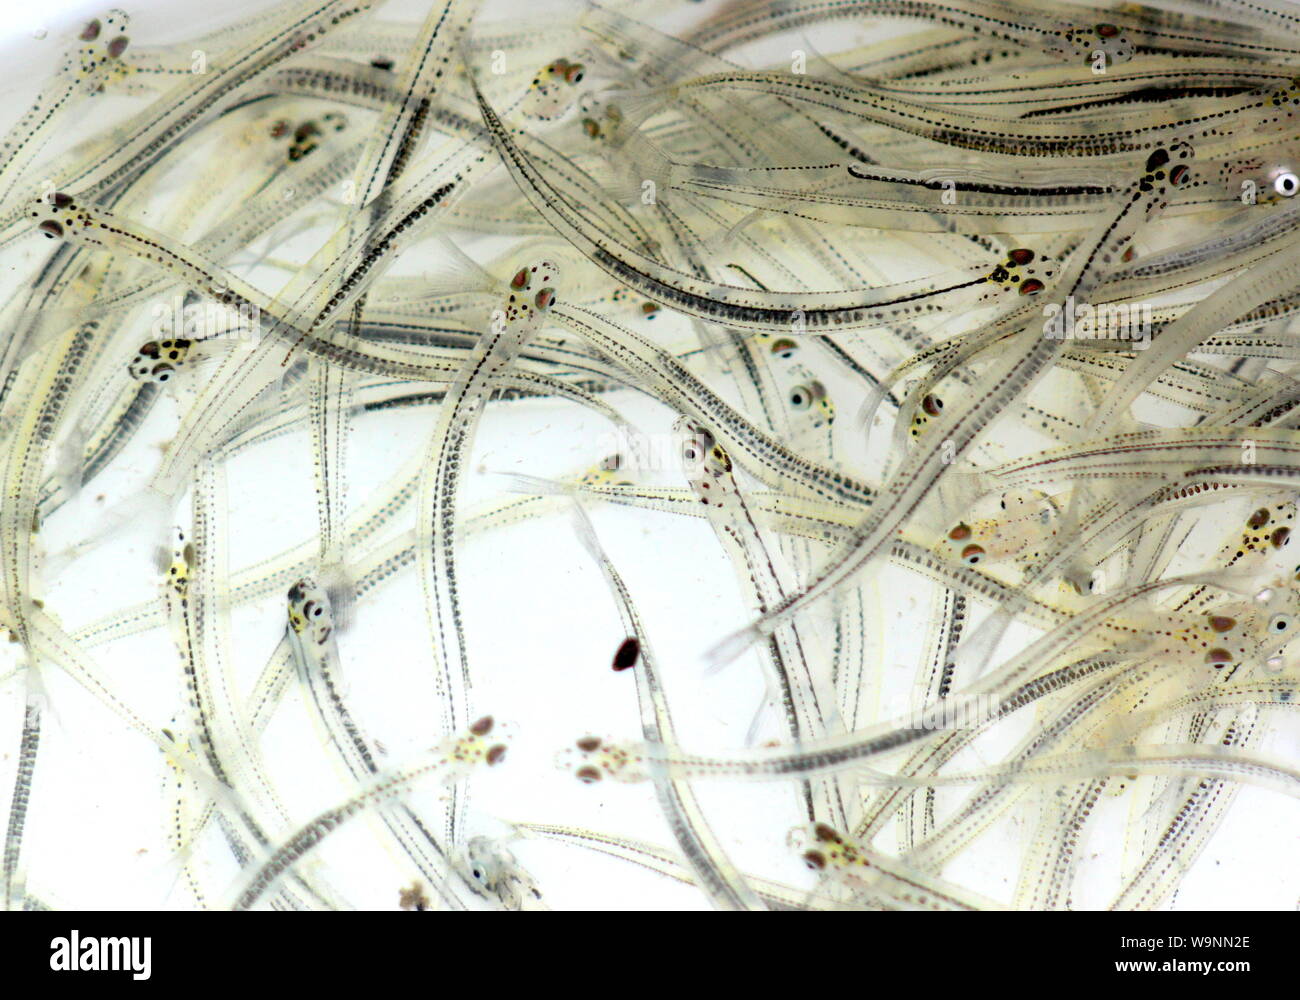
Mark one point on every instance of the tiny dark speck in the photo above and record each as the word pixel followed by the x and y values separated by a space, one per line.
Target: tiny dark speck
pixel 627 654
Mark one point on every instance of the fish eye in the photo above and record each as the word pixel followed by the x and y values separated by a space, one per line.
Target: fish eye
pixel 1279 624
pixel 520 280
pixel 575 73
pixel 801 397
pixel 1286 184
pixel 1157 159
pixel 1280 537
pixel 932 405
pixel 545 298
pixel 972 554
pixel 815 860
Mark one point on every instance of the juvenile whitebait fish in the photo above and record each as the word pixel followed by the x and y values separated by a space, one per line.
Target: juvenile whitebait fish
pixel 948 343
pixel 85 71
pixel 704 856
pixel 1005 381
pixel 311 632
pixel 481 745
pixel 491 867
pixel 804 696
pixel 746 308
pixel 871 878
pixel 518 317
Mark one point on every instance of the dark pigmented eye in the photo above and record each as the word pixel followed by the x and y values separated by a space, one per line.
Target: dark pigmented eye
pixel 1286 184
pixel 521 279
pixel 1280 537
pixel 1021 257
pixel 972 554
pixel 482 727
pixel 815 860
pixel 545 298
pixel 1031 286
pixel 1157 159
pixel 932 405
pixel 587 775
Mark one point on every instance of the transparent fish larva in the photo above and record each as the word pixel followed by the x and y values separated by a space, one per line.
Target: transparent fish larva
pixel 856 445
